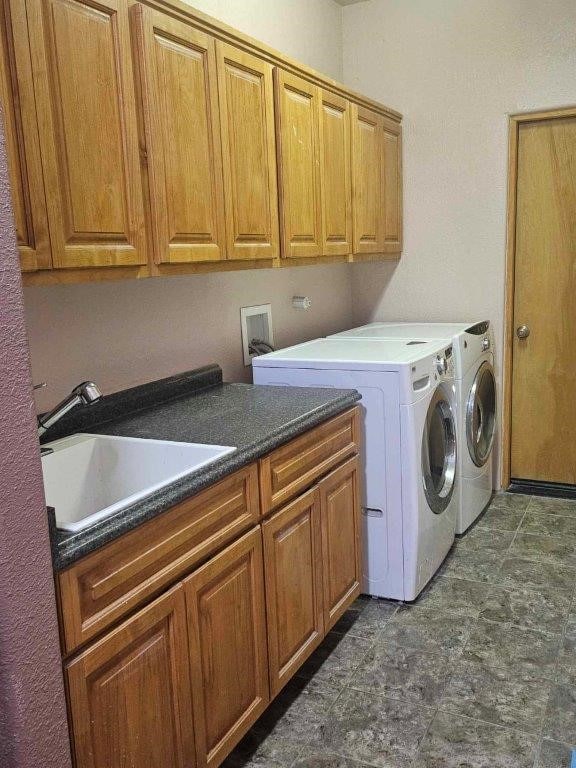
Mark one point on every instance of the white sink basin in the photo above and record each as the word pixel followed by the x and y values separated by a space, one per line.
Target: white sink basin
pixel 89 477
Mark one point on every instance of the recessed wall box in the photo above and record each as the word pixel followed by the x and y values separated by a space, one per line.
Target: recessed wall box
pixel 256 324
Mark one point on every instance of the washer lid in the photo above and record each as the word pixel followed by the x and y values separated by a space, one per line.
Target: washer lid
pixel 481 415
pixel 408 330
pixel 439 452
pixel 358 354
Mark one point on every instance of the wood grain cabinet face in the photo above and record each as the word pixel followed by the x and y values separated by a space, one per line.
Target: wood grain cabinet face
pixel 177 66
pixel 297 115
pixel 22 145
pixel 246 98
pixel 103 586
pixel 341 547
pixel 392 183
pixel 335 175
pixel 367 187
pixel 129 694
pixel 84 91
pixel 228 653
pixel 293 568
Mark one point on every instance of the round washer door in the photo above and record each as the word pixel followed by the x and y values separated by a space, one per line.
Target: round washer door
pixel 439 452
pixel 481 415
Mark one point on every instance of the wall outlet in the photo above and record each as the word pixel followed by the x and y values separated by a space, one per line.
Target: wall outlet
pixel 256 323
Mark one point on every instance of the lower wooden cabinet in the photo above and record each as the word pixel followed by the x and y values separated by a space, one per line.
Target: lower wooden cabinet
pixel 228 653
pixel 341 545
pixel 181 681
pixel 293 568
pixel 129 694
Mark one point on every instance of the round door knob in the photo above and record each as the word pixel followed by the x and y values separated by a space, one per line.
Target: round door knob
pixel 522 331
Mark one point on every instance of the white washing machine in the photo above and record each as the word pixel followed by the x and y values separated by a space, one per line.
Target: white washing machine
pixel 409 447
pixel 476 401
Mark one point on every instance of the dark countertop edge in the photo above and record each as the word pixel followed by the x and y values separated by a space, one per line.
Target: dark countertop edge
pixel 66 549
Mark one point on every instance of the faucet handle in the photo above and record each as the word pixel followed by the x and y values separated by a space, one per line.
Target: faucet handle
pixel 42 385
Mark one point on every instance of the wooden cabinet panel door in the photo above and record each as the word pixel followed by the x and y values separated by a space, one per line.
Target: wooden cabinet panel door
pixel 246 97
pixel 297 115
pixel 341 547
pixel 129 694
pixel 177 65
pixel 367 186
pixel 293 568
pixel 392 182
pixel 84 92
pixel 227 630
pixel 22 146
pixel 335 175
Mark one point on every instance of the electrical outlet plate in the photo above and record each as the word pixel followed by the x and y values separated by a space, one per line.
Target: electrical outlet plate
pixel 256 323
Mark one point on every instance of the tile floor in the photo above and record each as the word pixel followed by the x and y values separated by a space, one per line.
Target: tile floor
pixel 480 672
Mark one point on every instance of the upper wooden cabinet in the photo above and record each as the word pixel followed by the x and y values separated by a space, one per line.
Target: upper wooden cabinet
pixel 297 116
pixel 145 138
pixel 20 123
pixel 84 89
pixel 177 65
pixel 367 187
pixel 336 184
pixel 376 182
pixel 129 694
pixel 392 185
pixel 246 98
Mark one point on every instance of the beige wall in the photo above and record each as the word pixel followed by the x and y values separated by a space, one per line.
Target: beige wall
pixel 456 69
pixel 126 333
pixel 307 30
pixel 122 334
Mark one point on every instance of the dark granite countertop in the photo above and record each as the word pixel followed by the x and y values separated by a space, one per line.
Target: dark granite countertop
pixel 254 419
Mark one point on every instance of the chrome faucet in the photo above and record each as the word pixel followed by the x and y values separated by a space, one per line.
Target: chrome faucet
pixel 84 394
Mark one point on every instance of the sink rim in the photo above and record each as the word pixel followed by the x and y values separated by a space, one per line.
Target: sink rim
pixel 89 520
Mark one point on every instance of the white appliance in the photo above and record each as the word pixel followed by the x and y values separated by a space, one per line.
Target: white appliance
pixel 409 447
pixel 476 401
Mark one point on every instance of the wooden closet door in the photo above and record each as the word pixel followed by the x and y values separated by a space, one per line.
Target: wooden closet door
pixel 392 185
pixel 228 654
pixel 297 115
pixel 84 92
pixel 129 693
pixel 341 543
pixel 177 66
pixel 335 175
pixel 246 98
pixel 367 181
pixel 22 146
pixel 293 568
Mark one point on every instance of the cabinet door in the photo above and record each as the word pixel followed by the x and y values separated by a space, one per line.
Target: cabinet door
pixel 341 547
pixel 335 175
pixel 367 187
pixel 246 98
pixel 392 181
pixel 88 134
pixel 129 694
pixel 21 129
pixel 177 65
pixel 293 568
pixel 227 629
pixel 297 115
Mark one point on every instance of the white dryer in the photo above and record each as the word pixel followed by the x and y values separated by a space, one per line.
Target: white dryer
pixel 476 401
pixel 409 447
